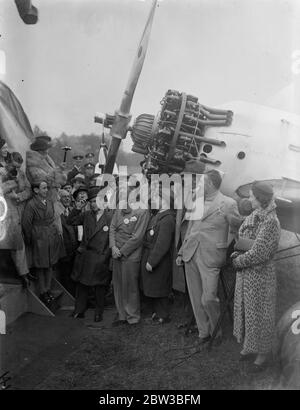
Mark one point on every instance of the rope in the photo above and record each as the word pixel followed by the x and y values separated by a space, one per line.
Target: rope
pixel 287 249
pixel 286 257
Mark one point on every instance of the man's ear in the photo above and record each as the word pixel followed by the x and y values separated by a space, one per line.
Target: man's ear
pixel 35 190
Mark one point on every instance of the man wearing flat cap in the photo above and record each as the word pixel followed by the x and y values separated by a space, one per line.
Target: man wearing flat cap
pixel 77 167
pixel 90 157
pixel 91 267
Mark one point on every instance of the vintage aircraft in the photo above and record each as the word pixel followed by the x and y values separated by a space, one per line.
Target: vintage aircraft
pixel 246 141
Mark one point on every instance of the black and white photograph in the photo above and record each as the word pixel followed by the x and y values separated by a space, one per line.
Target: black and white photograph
pixel 149 198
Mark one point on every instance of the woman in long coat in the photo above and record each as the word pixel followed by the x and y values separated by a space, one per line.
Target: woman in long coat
pixel 156 265
pixel 42 237
pixel 91 266
pixel 255 292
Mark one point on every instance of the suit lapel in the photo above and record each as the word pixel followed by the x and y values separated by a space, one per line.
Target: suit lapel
pixel 214 206
pixel 99 224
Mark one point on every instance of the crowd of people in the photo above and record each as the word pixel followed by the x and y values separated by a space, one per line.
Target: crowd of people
pixel 57 222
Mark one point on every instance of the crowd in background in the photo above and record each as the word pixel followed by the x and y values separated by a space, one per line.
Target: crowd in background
pixel 57 223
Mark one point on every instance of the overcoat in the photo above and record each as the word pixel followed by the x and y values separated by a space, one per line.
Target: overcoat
pixel 91 266
pixel 13 238
pixel 41 234
pixel 70 237
pixel 157 251
pixel 255 292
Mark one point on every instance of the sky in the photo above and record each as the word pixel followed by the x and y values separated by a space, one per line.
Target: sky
pixel 76 60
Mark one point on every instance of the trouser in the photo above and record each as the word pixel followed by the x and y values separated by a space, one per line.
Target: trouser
pixel 161 307
pixel 126 290
pixel 65 268
pixel 202 283
pixel 81 300
pixel 190 317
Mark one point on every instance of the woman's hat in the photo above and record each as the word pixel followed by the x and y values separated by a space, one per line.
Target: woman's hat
pixel 93 192
pixel 40 144
pixel 81 189
pixel 262 190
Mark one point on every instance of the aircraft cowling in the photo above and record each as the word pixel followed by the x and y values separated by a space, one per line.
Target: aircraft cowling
pixel 254 143
pixel 176 134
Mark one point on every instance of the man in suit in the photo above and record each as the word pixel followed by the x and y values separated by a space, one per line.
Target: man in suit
pixel 203 252
pixel 91 267
pixel 126 236
pixel 192 168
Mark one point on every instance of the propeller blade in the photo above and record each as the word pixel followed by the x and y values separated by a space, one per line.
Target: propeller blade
pixel 122 119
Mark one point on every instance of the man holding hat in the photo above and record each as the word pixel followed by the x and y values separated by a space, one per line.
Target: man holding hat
pixel 77 167
pixel 91 267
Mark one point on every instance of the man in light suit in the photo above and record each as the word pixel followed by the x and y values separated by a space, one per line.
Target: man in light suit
pixel 203 252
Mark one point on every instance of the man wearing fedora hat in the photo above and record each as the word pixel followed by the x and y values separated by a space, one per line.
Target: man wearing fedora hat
pixel 77 167
pixel 91 267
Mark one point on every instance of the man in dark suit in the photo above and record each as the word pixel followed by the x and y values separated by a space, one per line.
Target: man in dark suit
pixel 91 267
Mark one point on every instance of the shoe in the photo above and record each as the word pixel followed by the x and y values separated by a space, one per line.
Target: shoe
pixel 217 341
pixel 77 315
pixel 98 318
pixel 258 368
pixel 118 322
pixel 203 340
pixel 45 299
pixel 50 296
pixel 246 357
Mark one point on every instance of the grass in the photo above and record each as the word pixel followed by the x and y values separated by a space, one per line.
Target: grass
pixel 150 357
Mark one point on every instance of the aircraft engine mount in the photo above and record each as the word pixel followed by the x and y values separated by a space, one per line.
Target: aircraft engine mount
pixel 177 133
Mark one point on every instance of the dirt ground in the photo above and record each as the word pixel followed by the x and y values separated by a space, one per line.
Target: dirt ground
pixel 77 354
